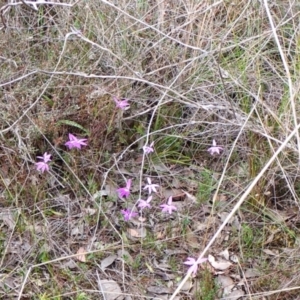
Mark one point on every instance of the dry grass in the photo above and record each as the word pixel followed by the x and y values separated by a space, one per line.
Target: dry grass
pixel 193 71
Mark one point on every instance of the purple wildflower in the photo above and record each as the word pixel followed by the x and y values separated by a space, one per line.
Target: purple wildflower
pixel 150 186
pixel 124 192
pixel 121 103
pixel 148 149
pixel 43 165
pixel 75 142
pixel 168 207
pixel 128 214
pixel 194 264
pixel 215 149
pixel 144 203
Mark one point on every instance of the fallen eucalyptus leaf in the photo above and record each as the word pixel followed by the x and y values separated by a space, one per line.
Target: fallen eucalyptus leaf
pixel 250 273
pixel 125 256
pixel 190 197
pixel 110 290
pixel 226 283
pixel 137 233
pixel 158 290
pixel 271 252
pixel 235 295
pixel 225 254
pixel 108 261
pixel 8 219
pixel 219 265
pixel 68 264
pixel 81 257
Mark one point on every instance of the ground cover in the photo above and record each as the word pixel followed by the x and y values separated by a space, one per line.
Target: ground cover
pixel 149 150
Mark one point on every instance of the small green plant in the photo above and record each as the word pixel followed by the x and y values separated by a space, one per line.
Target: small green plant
pixel 137 262
pixel 43 297
pixel 75 125
pixel 184 224
pixel 205 186
pixel 43 256
pixel 247 236
pixel 82 296
pixel 92 184
pixel 207 287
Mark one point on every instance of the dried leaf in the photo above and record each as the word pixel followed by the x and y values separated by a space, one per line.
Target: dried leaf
pixel 37 228
pixel 158 290
pixel 81 257
pixel 225 280
pixel 175 193
pixel 225 254
pixel 221 197
pixel 125 256
pixel 223 215
pixel 160 235
pixel 108 261
pixel 142 219
pixel 111 190
pixel 8 219
pixel 68 264
pixel 250 273
pixel 270 252
pixel 219 265
pixel 137 233
pixel 235 295
pixel 9 282
pixel 175 183
pixel 191 238
pixel 110 289
pixel 187 285
pixel 78 230
pixel 270 238
pixel 175 251
pixel 226 283
pixel 99 194
pixel 161 167
pixel 163 297
pixel 234 258
pixel 166 276
pixel 90 211
pixel 198 226
pixel 190 197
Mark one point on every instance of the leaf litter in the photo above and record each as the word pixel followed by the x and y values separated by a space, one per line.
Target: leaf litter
pixel 110 290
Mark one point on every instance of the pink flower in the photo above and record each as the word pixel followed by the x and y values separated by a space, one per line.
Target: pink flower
pixel 148 149
pixel 45 157
pixel 128 214
pixel 194 264
pixel 215 149
pixel 75 142
pixel 121 103
pixel 43 165
pixel 150 186
pixel 144 203
pixel 168 207
pixel 124 192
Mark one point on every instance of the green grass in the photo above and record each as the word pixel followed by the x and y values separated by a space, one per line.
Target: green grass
pixel 207 287
pixel 206 186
